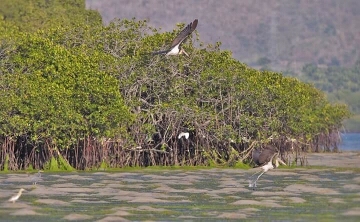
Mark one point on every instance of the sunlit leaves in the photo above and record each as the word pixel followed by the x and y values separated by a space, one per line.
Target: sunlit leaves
pixel 61 93
pixel 82 80
pixel 32 15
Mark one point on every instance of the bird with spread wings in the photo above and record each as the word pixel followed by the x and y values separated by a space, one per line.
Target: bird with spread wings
pixel 175 45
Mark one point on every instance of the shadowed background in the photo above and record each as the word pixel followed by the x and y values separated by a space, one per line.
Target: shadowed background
pixel 289 33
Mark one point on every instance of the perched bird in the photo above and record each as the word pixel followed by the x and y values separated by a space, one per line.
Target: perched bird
pixel 17 196
pixel 36 178
pixel 182 134
pixel 265 159
pixel 175 45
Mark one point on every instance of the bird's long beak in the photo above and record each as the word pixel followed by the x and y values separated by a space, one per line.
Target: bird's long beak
pixel 182 51
pixel 281 161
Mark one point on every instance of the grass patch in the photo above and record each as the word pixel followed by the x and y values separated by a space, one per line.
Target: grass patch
pixel 6 163
pixel 241 165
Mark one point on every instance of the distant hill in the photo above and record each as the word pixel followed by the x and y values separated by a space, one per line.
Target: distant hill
pixel 286 34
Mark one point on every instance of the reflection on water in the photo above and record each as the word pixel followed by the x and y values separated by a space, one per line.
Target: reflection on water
pixel 350 141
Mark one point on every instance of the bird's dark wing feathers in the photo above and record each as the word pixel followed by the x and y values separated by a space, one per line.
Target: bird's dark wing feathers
pixel 255 156
pixel 160 52
pixel 184 33
pixel 266 155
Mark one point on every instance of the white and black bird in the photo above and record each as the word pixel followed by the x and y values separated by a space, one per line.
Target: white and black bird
pixel 184 134
pixel 266 159
pixel 175 45
pixel 17 196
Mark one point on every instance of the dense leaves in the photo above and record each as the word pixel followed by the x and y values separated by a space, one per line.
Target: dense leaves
pixel 96 96
pixel 31 15
pixel 341 85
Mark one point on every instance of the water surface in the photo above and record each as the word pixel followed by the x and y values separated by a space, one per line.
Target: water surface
pixel 350 141
pixel 191 195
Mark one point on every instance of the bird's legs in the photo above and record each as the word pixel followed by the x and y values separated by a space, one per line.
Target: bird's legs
pixel 256 173
pixel 252 182
pixel 36 177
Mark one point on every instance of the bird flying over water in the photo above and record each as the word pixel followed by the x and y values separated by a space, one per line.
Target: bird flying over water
pixel 175 45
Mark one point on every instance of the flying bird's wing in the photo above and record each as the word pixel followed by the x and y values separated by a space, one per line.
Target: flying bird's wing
pixel 160 52
pixel 255 156
pixel 184 33
pixel 267 154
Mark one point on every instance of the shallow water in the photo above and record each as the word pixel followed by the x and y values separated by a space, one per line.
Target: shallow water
pixel 350 141
pixel 191 195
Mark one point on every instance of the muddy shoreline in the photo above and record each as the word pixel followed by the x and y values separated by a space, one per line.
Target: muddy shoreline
pixel 345 159
pixel 331 192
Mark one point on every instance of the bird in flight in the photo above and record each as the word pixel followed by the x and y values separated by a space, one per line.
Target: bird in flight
pixel 175 45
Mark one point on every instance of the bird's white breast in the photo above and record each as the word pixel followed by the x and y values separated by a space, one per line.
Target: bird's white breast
pixel 268 166
pixel 186 135
pixel 174 51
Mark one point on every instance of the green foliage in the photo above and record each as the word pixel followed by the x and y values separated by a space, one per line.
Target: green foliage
pixel 30 167
pixel 217 97
pixel 241 165
pixel 64 165
pixel 53 165
pixel 103 165
pixel 98 89
pixel 6 163
pixel 341 85
pixel 32 15
pixel 57 163
pixel 59 93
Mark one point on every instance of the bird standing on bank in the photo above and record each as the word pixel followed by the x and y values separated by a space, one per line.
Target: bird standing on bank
pixel 17 196
pixel 36 178
pixel 264 159
pixel 175 45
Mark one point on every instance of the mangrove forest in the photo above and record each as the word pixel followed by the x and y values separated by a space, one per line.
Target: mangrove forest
pixel 78 94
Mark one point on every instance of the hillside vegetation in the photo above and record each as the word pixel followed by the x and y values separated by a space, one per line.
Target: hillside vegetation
pixel 341 85
pixel 83 95
pixel 289 33
pixel 280 35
